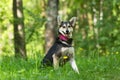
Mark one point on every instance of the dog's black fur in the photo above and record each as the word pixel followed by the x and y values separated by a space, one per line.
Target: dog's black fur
pixel 62 47
pixel 56 48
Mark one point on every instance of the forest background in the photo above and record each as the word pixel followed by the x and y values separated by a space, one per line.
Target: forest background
pixel 96 39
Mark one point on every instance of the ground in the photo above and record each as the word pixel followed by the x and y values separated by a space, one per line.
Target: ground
pixel 91 68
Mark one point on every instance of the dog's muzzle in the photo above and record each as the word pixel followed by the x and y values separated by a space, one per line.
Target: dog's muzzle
pixel 67 32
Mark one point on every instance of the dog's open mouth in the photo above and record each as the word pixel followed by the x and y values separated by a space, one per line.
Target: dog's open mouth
pixel 67 34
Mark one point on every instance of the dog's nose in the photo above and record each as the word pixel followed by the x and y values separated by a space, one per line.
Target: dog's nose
pixel 67 31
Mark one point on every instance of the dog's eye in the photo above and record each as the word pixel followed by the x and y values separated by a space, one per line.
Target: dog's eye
pixel 68 26
pixel 63 26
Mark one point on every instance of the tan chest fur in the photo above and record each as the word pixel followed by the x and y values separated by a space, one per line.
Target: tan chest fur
pixel 67 51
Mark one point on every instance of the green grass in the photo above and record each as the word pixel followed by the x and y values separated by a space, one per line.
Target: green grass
pixel 91 68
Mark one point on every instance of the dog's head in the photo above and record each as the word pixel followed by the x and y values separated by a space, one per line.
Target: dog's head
pixel 66 27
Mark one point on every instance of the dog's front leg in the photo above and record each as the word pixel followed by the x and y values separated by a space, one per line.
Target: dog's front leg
pixel 55 61
pixel 73 65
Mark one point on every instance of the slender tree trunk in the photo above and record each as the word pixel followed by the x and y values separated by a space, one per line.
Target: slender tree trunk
pixel 51 25
pixel 101 10
pixel 19 33
pixel 95 20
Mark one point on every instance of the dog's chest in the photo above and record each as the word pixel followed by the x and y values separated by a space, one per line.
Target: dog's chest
pixel 67 51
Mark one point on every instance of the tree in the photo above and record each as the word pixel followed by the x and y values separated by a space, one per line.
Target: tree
pixel 19 33
pixel 51 25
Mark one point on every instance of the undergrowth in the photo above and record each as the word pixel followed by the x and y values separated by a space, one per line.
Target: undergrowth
pixel 91 68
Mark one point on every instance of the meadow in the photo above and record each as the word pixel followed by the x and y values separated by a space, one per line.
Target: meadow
pixel 91 68
pixel 96 39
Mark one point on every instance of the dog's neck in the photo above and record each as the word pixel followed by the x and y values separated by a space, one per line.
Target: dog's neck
pixel 63 38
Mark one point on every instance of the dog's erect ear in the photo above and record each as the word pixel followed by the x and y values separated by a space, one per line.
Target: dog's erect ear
pixel 73 21
pixel 59 20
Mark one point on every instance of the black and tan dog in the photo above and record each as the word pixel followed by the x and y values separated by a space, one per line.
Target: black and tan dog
pixel 62 50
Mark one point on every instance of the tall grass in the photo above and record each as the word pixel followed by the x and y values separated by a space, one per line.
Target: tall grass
pixel 91 68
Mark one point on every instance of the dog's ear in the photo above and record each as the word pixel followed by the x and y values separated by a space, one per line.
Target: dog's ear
pixel 73 21
pixel 59 20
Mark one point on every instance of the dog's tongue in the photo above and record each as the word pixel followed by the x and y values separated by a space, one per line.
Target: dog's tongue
pixel 62 37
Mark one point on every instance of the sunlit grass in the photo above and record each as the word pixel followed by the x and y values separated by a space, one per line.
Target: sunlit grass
pixel 91 68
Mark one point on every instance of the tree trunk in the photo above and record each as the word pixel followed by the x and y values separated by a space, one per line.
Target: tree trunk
pixel 51 25
pixel 95 20
pixel 19 33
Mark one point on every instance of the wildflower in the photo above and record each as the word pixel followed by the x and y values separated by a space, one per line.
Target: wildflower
pixel 117 52
pixel 81 49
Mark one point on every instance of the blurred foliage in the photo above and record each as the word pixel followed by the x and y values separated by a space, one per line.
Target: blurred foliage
pixel 97 29
pixel 6 34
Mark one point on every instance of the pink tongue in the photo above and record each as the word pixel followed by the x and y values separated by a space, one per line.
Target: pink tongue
pixel 62 37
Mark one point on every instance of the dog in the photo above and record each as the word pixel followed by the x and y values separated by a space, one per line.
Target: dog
pixel 62 50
